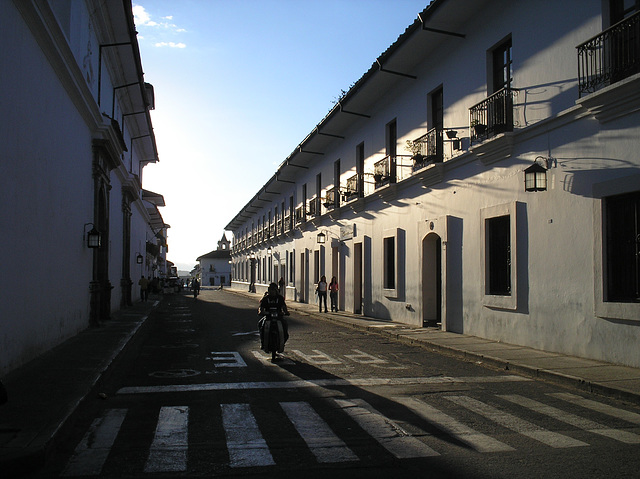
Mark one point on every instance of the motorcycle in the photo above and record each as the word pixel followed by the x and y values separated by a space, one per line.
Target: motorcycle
pixel 272 332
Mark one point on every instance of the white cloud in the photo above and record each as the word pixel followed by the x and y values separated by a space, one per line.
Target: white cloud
pixel 171 45
pixel 140 15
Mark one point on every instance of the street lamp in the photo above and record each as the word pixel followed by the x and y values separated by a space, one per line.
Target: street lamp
pixel 94 239
pixel 139 258
pixel 321 238
pixel 535 178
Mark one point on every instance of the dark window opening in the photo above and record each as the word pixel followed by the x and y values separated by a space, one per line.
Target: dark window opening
pixel 623 248
pixel 499 255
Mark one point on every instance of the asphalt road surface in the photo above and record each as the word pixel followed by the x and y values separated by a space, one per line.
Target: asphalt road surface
pixel 197 397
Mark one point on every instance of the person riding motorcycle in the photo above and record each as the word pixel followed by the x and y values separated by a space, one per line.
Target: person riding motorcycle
pixel 273 299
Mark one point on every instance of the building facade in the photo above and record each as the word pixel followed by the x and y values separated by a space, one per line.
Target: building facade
pixel 76 133
pixel 215 266
pixel 483 176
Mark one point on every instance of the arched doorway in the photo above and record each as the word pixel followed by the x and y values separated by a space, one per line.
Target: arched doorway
pixel 432 280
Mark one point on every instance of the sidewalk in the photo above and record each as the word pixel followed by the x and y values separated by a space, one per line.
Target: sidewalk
pixel 620 382
pixel 46 391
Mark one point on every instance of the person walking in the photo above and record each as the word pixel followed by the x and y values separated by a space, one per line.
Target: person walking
pixel 333 293
pixel 322 293
pixel 144 288
pixel 195 285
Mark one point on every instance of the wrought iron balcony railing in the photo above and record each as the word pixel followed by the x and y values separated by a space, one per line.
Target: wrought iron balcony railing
pixel 384 171
pixel 351 191
pixel 330 198
pixel 492 116
pixel 428 149
pixel 300 217
pixel 609 57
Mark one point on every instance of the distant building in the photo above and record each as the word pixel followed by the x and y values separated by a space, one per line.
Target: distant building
pixel 77 229
pixel 483 176
pixel 215 267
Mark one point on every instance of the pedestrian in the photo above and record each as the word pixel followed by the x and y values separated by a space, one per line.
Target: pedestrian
pixel 333 293
pixel 322 293
pixel 281 286
pixel 196 288
pixel 144 288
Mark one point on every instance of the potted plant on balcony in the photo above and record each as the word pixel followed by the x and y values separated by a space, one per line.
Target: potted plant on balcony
pixel 415 147
pixel 478 128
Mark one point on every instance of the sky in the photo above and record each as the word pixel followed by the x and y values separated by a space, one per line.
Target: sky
pixel 238 85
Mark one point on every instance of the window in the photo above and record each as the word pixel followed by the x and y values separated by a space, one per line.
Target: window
pixel 499 255
pixel 502 66
pixel 336 183
pixel 622 233
pixel 392 149
pixel 389 267
pixel 435 147
pixel 360 168
pixel 316 266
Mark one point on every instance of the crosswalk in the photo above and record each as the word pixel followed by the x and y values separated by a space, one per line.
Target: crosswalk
pixel 247 447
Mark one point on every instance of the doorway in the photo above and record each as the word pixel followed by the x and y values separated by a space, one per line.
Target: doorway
pixel 432 280
pixel 357 279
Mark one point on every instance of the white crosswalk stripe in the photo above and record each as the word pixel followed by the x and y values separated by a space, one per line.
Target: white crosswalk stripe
pixel 516 424
pixel 92 452
pixel 245 443
pixel 389 434
pixel 574 420
pixel 247 447
pixel 480 442
pixel 168 451
pixel 628 416
pixel 323 443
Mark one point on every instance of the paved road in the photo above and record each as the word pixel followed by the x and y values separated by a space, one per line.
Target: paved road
pixel 198 398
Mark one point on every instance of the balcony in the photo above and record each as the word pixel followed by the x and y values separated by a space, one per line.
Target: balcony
pixel 427 149
pixel 492 116
pixel 313 208
pixel 609 57
pixel 351 190
pixel 330 199
pixel 300 217
pixel 384 171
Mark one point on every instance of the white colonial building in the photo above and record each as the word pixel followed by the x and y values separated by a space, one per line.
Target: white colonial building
pixel 483 176
pixel 77 229
pixel 215 266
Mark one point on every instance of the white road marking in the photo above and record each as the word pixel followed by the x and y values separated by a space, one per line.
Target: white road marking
pixel 295 384
pixel 266 359
pixel 364 358
pixel 574 420
pixel 168 451
pixel 323 443
pixel 230 359
pixel 91 453
pixel 628 416
pixel 318 358
pixel 478 441
pixel 246 446
pixel 516 424
pixel 389 434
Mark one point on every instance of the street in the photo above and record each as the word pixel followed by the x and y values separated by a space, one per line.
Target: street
pixel 199 398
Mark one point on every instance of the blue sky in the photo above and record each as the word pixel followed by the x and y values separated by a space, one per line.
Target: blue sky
pixel 238 85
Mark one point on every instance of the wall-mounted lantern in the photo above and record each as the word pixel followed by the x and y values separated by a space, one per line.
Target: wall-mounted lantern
pixel 535 178
pixel 139 258
pixel 94 239
pixel 321 238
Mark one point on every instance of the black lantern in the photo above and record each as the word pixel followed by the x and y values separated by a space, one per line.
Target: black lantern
pixel 93 238
pixel 322 238
pixel 139 259
pixel 535 178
